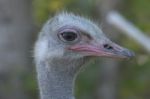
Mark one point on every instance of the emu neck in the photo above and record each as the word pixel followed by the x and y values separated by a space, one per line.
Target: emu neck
pixel 56 79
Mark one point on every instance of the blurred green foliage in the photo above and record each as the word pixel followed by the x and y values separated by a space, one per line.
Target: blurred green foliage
pixel 43 9
pixel 138 12
pixel 134 80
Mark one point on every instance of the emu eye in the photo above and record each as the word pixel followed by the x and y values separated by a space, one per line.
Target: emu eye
pixel 69 36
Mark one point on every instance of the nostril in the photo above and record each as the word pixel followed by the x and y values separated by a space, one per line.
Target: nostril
pixel 107 46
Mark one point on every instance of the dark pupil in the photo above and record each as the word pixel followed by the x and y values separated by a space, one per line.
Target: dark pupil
pixel 69 36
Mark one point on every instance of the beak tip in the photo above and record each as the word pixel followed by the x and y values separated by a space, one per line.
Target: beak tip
pixel 129 54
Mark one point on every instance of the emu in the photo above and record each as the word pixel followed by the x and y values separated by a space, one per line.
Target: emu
pixel 65 44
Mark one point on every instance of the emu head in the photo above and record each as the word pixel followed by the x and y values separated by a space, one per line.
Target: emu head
pixel 71 37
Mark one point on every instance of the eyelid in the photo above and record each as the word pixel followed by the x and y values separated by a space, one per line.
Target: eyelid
pixel 76 30
pixel 68 30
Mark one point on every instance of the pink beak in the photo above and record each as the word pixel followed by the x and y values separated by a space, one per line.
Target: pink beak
pixel 106 50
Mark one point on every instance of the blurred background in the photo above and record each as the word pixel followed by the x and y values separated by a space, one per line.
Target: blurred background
pixel 20 22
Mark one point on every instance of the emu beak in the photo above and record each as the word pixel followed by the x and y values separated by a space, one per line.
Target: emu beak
pixel 113 50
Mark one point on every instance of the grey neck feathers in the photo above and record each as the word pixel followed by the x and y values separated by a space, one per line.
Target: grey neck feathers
pixel 56 78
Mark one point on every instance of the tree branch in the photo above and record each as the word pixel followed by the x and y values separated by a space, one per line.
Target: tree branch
pixel 117 20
